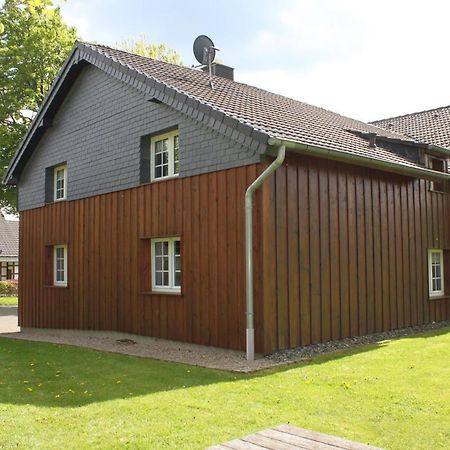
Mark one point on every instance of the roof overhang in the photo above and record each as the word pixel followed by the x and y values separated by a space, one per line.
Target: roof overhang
pixel 359 160
pixel 154 91
pixel 44 117
pixel 431 148
pixel 437 150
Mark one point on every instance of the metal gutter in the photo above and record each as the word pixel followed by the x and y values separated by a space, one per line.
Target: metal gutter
pixel 359 160
pixel 438 149
pixel 250 332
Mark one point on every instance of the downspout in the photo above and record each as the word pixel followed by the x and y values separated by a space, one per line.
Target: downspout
pixel 250 336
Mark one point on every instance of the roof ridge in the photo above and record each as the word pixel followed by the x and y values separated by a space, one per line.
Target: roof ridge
pixel 93 44
pixel 409 114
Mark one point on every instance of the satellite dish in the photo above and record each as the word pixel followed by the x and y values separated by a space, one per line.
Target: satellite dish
pixel 204 50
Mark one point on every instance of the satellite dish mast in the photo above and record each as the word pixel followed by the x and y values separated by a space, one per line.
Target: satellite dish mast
pixel 205 52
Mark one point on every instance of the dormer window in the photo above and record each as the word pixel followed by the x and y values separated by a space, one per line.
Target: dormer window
pixel 439 165
pixel 165 155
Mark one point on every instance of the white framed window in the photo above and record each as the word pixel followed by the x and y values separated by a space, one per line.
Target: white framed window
pixel 436 272
pixel 60 183
pixel 165 155
pixel 166 264
pixel 60 265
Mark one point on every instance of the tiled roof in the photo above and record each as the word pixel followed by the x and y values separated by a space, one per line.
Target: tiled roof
pixel 9 238
pixel 432 126
pixel 248 112
pixel 275 115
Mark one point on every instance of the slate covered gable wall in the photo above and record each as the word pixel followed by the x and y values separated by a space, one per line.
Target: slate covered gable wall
pixel 98 132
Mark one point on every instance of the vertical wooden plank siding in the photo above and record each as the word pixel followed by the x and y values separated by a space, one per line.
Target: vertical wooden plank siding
pixel 339 251
pixel 108 238
pixel 361 237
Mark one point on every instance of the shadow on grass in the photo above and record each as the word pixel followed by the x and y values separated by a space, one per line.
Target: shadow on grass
pixel 44 374
pixel 54 375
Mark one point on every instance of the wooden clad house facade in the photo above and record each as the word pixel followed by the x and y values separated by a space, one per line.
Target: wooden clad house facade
pixel 131 194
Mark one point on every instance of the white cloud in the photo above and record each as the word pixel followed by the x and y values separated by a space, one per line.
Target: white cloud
pixel 367 60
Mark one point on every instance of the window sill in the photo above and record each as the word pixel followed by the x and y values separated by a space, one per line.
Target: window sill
pixel 170 177
pixel 163 293
pixel 52 202
pixel 439 297
pixel 56 286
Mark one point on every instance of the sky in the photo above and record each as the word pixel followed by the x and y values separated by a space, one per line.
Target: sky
pixel 364 59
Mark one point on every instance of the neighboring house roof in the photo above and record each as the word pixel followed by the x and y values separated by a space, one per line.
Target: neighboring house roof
pixel 431 126
pixel 9 238
pixel 235 109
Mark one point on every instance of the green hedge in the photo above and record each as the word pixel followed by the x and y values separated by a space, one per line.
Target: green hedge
pixel 8 288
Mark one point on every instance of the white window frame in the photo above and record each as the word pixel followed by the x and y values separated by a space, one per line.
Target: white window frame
pixel 57 282
pixel 171 255
pixel 432 292
pixel 171 150
pixel 55 190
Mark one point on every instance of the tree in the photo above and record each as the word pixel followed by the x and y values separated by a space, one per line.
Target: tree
pixel 34 41
pixel 142 47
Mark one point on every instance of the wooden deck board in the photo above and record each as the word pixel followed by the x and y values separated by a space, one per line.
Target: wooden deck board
pixel 238 444
pixel 295 440
pixel 288 437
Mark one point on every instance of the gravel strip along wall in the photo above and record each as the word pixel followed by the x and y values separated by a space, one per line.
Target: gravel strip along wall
pixel 211 357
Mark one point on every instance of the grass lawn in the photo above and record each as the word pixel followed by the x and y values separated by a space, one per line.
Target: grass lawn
pixel 9 301
pixel 395 395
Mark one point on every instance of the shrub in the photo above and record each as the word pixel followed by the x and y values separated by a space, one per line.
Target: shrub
pixel 8 288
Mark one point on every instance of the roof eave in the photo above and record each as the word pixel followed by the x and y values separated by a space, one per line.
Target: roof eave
pixel 438 149
pixel 38 121
pixel 155 91
pixel 336 155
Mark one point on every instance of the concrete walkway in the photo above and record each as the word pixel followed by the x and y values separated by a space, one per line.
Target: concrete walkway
pixel 8 319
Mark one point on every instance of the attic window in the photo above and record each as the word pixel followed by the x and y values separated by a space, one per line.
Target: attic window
pixel 165 155
pixel 439 165
pixel 60 182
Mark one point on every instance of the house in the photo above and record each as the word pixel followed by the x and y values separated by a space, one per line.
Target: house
pixel 9 249
pixel 432 126
pixel 132 179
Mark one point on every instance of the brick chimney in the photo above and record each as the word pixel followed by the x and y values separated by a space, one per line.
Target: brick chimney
pixel 220 70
